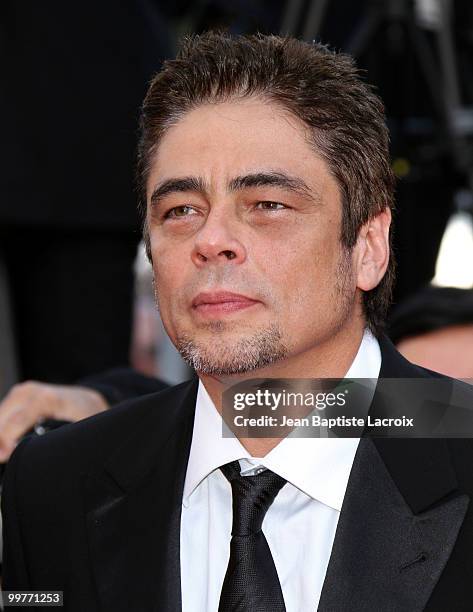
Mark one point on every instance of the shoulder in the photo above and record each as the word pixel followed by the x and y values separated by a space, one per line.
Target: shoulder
pixel 78 447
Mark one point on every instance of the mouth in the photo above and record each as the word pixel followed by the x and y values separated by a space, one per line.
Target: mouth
pixel 221 303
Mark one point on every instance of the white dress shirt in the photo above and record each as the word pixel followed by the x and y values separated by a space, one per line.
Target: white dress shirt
pixel 299 526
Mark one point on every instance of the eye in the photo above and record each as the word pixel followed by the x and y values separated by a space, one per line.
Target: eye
pixel 267 205
pixel 179 212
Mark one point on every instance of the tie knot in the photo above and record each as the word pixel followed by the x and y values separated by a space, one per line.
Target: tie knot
pixel 252 496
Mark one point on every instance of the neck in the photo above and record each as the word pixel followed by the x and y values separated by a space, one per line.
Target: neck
pixel 331 358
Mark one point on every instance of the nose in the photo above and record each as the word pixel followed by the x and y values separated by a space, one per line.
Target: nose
pixel 217 241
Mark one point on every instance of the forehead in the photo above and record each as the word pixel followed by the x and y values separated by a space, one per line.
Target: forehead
pixel 223 140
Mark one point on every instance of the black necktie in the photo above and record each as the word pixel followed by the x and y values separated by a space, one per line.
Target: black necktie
pixel 251 583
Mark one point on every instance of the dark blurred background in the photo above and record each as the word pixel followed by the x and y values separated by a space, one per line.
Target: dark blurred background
pixel 74 297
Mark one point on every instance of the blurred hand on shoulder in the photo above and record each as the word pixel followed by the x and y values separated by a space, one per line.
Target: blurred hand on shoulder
pixel 30 402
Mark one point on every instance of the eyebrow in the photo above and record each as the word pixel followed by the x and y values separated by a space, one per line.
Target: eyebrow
pixel 272 179
pixel 177 185
pixel 247 181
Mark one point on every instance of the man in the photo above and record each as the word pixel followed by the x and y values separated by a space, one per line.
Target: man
pixel 265 167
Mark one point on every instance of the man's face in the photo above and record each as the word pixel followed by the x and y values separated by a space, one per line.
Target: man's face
pixel 244 221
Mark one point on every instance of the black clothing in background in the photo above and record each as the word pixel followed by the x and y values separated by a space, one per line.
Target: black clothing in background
pixel 71 293
pixel 73 78
pixel 120 384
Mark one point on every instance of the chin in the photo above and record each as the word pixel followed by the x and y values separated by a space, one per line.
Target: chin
pixel 233 354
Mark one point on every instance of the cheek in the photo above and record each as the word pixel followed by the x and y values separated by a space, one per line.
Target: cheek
pixel 168 262
pixel 309 287
pixel 305 264
pixel 167 280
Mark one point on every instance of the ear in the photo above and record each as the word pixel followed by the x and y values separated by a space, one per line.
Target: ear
pixel 372 250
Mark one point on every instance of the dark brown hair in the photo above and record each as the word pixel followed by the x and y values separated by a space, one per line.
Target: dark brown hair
pixel 320 87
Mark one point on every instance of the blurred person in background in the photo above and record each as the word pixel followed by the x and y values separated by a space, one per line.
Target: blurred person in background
pixel 73 78
pixel 434 329
pixel 36 407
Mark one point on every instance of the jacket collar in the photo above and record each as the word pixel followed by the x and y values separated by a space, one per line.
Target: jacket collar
pixel 133 508
pixel 421 468
pixel 400 517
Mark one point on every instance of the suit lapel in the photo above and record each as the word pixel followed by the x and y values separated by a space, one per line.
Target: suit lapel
pixel 133 509
pixel 399 521
pixel 386 557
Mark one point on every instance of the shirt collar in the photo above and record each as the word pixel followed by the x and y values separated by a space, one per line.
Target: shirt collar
pixel 320 467
pixel 209 448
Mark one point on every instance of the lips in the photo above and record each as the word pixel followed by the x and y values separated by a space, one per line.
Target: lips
pixel 221 302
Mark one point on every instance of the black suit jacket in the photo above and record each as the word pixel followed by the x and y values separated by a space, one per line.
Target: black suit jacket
pixel 93 509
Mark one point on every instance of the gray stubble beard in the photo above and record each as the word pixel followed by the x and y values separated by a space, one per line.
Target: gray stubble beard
pixel 263 348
